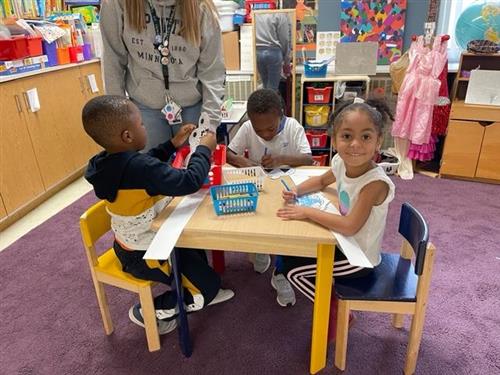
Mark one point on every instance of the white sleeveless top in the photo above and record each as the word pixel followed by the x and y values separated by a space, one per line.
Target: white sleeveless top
pixel 369 237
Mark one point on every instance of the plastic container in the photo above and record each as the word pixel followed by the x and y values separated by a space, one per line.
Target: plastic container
pixel 234 198
pixel 76 54
pixel 87 51
pixel 34 46
pixel 320 160
pixel 253 175
pixel 317 138
pixel 226 21
pixel 313 69
pixel 14 48
pixel 239 17
pixel 63 55
pixel 50 50
pixel 257 5
pixel 316 115
pixel 319 95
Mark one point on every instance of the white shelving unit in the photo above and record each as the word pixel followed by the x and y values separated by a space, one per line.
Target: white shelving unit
pixel 334 80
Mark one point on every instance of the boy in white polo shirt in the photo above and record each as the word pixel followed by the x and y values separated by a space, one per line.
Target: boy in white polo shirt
pixel 272 140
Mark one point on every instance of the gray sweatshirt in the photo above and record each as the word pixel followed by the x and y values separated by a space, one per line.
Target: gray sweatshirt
pixel 273 30
pixel 132 64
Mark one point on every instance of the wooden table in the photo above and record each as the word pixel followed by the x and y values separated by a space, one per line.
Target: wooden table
pixel 263 232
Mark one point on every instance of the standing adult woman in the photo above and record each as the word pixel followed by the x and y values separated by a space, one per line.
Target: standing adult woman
pixel 167 56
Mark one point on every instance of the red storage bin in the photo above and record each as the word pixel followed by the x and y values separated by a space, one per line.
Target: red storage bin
pixel 257 5
pixel 317 138
pixel 75 54
pixel 318 96
pixel 34 45
pixel 320 160
pixel 14 48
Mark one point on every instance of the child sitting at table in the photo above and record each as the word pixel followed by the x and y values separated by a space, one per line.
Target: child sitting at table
pixel 271 140
pixel 136 187
pixel 364 192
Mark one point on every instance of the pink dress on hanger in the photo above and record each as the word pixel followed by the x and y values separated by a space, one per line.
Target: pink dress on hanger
pixel 419 92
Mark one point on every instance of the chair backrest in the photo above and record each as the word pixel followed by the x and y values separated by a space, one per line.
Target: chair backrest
pixel 94 223
pixel 414 228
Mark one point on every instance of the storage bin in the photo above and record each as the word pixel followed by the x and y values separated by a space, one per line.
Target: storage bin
pixel 226 21
pixel 87 51
pixel 313 69
pixel 253 175
pixel 257 5
pixel 234 198
pixel 320 160
pixel 75 54
pixel 50 50
pixel 319 95
pixel 14 48
pixel 316 115
pixel 63 55
pixel 317 139
pixel 34 46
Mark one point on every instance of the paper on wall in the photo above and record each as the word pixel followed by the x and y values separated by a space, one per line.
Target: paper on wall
pixel 171 229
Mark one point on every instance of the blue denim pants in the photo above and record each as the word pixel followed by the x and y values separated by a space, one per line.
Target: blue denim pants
pixel 269 65
pixel 157 128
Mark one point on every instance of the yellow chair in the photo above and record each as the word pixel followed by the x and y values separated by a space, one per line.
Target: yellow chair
pixel 106 269
pixel 395 286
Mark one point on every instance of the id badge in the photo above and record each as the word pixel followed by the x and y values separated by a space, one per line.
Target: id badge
pixel 172 112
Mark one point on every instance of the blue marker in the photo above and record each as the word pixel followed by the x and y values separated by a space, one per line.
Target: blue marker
pixel 284 183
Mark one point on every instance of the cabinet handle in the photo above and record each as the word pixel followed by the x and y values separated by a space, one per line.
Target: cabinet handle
pixel 18 104
pixel 82 89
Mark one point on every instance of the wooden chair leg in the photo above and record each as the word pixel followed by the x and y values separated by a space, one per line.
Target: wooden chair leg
pixel 417 325
pixel 398 320
pixel 342 334
pixel 103 307
pixel 149 316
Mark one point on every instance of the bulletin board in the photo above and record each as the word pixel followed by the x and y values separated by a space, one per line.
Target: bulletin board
pixel 379 21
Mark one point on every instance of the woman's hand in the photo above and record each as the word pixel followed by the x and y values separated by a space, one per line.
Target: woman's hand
pixel 292 212
pixel 183 134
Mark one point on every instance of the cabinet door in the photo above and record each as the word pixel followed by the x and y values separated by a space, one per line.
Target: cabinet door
pixel 89 73
pixel 3 212
pixel 20 180
pixel 489 159
pixel 461 148
pixel 60 103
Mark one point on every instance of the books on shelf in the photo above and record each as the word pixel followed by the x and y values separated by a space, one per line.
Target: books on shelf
pixel 29 64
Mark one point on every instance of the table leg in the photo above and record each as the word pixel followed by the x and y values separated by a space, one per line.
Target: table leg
pixel 321 310
pixel 182 321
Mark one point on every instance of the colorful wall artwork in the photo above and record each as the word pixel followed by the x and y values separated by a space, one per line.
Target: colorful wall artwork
pixel 379 21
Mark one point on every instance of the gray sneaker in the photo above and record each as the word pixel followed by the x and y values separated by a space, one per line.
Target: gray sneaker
pixel 285 292
pixel 261 262
pixel 164 327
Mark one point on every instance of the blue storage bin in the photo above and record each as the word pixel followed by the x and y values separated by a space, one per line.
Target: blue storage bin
pixel 234 198
pixel 50 49
pixel 315 70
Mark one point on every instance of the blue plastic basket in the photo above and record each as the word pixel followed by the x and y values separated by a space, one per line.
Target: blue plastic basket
pixel 315 70
pixel 234 198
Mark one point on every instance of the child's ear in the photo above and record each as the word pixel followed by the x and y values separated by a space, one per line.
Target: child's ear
pixel 126 136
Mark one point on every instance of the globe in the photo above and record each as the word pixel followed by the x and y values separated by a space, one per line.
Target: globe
pixel 479 21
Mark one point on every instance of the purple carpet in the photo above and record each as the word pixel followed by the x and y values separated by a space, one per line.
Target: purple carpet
pixel 51 323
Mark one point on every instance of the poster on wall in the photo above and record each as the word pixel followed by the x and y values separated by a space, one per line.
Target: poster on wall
pixel 379 21
pixel 307 20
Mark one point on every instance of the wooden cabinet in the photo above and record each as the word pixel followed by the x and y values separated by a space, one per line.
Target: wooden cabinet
pixel 20 179
pixel 472 143
pixel 44 150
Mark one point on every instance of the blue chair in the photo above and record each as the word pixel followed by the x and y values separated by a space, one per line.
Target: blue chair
pixel 396 286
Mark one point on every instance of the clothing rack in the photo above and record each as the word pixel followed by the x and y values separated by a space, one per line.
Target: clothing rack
pixel 443 38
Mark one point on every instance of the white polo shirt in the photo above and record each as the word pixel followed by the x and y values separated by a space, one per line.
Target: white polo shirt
pixel 290 140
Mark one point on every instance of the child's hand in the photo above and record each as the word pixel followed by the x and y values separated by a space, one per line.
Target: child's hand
pixel 270 161
pixel 183 134
pixel 292 212
pixel 209 140
pixel 289 195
